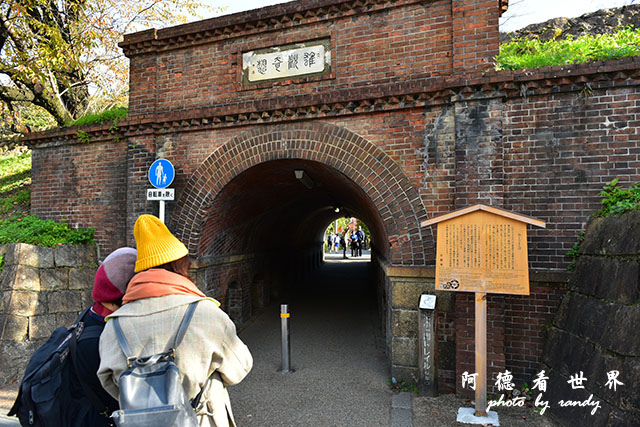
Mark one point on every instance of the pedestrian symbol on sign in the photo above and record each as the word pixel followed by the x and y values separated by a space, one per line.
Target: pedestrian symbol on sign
pixel 161 173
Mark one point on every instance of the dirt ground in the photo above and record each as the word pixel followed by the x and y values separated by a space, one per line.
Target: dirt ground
pixel 443 411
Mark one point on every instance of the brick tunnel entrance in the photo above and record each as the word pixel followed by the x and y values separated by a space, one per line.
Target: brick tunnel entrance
pixel 270 222
pixel 253 214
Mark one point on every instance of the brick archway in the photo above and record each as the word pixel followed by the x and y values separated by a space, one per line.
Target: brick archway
pixel 396 200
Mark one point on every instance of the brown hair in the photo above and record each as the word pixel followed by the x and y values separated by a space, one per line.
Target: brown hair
pixel 179 266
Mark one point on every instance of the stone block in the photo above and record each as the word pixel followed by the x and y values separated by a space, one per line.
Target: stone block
pixel 24 303
pixel 86 296
pixel 20 277
pixel 612 279
pixel 66 319
pixel 5 298
pixel 54 279
pixel 42 326
pixel 620 334
pixel 404 323
pixel 404 351
pixel 630 393
pixel 406 294
pixel 14 357
pixel 14 328
pixel 29 255
pixel 64 301
pixel 614 235
pixel 74 256
pixel 81 278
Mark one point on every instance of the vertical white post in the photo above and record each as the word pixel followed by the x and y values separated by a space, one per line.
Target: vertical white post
pixel 161 215
pixel 286 345
pixel 481 354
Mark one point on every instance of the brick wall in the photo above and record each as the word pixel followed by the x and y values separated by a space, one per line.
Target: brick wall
pixel 390 143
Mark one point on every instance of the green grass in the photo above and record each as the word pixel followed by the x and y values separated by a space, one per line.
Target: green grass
pixel 15 182
pixel 16 225
pixel 532 53
pixel 113 115
pixel 36 231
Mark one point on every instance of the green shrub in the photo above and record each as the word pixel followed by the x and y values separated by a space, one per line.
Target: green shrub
pixel 36 231
pixel 532 53
pixel 617 201
pixel 113 115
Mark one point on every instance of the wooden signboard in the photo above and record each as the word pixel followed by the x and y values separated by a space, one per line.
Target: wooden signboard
pixel 482 249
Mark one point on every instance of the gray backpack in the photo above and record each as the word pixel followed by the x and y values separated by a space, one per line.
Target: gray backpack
pixel 151 392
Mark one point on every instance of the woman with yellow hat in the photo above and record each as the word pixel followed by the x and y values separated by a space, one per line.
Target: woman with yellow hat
pixel 153 306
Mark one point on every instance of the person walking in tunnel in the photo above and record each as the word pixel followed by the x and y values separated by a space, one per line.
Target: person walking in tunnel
pixel 210 355
pixel 330 242
pixel 361 238
pixel 353 243
pixel 343 244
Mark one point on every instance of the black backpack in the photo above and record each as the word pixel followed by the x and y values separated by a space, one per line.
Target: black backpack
pixel 45 398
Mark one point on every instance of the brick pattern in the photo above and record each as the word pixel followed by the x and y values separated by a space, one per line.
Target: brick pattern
pixel 393 195
pixel 475 33
pixel 527 318
pixel 389 33
pixel 85 184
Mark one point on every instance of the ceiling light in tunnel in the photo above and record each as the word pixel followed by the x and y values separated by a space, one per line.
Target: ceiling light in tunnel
pixel 304 178
pixel 336 210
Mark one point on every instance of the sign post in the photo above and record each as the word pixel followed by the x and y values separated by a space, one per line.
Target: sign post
pixel 427 343
pixel 161 174
pixel 482 249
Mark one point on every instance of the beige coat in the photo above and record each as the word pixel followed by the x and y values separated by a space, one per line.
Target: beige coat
pixel 209 345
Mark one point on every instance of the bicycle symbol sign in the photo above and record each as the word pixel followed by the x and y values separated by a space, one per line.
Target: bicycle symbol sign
pixel 452 284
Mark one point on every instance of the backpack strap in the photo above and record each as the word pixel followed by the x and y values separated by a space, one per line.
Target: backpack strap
pixel 122 340
pixel 182 329
pixel 86 333
pixel 186 319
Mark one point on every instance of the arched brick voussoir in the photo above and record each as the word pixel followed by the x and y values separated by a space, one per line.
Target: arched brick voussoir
pixel 384 182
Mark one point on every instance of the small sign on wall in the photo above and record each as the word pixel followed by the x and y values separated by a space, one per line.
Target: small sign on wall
pixel 285 62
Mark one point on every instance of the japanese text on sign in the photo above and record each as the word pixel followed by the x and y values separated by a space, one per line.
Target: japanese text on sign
pixel 482 253
pixel 160 194
pixel 279 63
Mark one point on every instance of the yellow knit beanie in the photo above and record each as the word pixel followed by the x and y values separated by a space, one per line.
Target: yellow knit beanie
pixel 156 244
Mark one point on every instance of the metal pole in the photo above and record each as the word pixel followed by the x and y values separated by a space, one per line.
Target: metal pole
pixel 286 346
pixel 161 215
pixel 481 354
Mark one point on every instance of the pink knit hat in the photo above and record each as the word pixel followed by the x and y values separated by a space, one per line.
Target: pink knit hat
pixel 114 274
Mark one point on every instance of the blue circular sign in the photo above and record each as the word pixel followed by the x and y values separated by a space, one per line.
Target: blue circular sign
pixel 161 173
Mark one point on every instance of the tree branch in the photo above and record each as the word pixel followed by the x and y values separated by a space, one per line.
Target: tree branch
pixel 16 94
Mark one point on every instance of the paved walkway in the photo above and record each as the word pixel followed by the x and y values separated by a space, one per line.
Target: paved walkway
pixel 340 371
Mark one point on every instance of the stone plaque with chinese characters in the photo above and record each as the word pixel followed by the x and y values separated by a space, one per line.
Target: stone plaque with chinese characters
pixel 286 62
pixel 483 250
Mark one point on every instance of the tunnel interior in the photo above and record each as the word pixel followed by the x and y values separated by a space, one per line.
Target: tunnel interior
pixel 273 216
pixel 268 209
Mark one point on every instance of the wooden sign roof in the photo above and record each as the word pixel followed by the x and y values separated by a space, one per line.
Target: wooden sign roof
pixel 490 209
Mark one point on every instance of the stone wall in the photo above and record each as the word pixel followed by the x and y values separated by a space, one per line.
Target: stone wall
pixel 595 331
pixel 40 289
